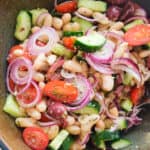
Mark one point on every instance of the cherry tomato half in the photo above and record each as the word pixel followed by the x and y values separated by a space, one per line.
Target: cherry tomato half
pixel 35 138
pixel 61 91
pixel 138 35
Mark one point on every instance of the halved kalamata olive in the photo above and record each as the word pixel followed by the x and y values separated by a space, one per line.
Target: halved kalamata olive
pixel 127 11
pixel 113 13
pixel 117 2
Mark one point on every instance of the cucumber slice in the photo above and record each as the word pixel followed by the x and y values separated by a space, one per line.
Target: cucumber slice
pixel 105 135
pixel 122 143
pixel 127 105
pixel 12 108
pixel 92 108
pixel 67 143
pixel 60 50
pixel 90 43
pixel 93 5
pixel 127 78
pixel 23 25
pixel 84 25
pixel 132 24
pixel 35 13
pixel 121 123
pixel 71 33
pixel 58 140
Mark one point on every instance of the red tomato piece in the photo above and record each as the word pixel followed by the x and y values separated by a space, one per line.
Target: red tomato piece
pixel 69 42
pixel 35 138
pixel 136 94
pixel 138 35
pixel 61 91
pixel 66 7
pixel 12 56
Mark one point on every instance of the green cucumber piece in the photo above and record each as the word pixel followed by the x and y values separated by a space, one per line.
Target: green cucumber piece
pixel 35 13
pixel 67 143
pixel 58 140
pixel 60 50
pixel 90 43
pixel 127 78
pixel 12 108
pixel 71 33
pixel 92 107
pixel 23 25
pixel 100 6
pixel 132 24
pixel 105 135
pixel 121 143
pixel 84 25
pixel 121 123
pixel 127 105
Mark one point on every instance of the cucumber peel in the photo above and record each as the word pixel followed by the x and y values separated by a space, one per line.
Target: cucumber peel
pixel 127 105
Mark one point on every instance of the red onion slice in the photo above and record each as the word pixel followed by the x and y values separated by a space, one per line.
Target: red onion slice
pixel 85 18
pixel 102 68
pixel 137 18
pixel 35 101
pixel 105 54
pixel 53 38
pixel 127 65
pixel 85 139
pixel 67 75
pixel 14 72
pixel 47 124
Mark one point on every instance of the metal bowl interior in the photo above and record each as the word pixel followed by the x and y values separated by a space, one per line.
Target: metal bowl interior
pixel 8 131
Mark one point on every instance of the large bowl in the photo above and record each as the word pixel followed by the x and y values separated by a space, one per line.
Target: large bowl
pixel 9 133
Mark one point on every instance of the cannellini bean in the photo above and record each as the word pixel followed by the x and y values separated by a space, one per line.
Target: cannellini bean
pixel 37 76
pixel 107 82
pixel 57 23
pixel 121 50
pixel 35 29
pixel 75 26
pixel 41 106
pixel 73 129
pixel 85 11
pixel 32 112
pixel 41 85
pixel 53 131
pixel 66 18
pixel 144 53
pixel 71 27
pixel 117 26
pixel 101 18
pixel 108 123
pixel 51 59
pixel 45 20
pixel 72 66
pixel 70 120
pixel 67 27
pixel 60 33
pixel 40 63
pixel 25 122
pixel 100 125
pixel 114 111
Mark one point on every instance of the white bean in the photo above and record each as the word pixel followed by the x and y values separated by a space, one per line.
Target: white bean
pixel 66 18
pixel 41 106
pixel 51 59
pixel 25 122
pixel 73 129
pixel 144 54
pixel 71 27
pixel 53 132
pixel 40 63
pixel 85 11
pixel 37 76
pixel 35 29
pixel 32 112
pixel 100 125
pixel 72 66
pixel 114 111
pixel 48 21
pixel 57 23
pixel 107 82
pixel 117 26
pixel 70 120
pixel 41 85
pixel 75 26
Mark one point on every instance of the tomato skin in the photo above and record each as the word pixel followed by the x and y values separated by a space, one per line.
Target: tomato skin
pixel 138 35
pixel 35 138
pixel 66 7
pixel 12 56
pixel 136 94
pixel 60 91
pixel 69 42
